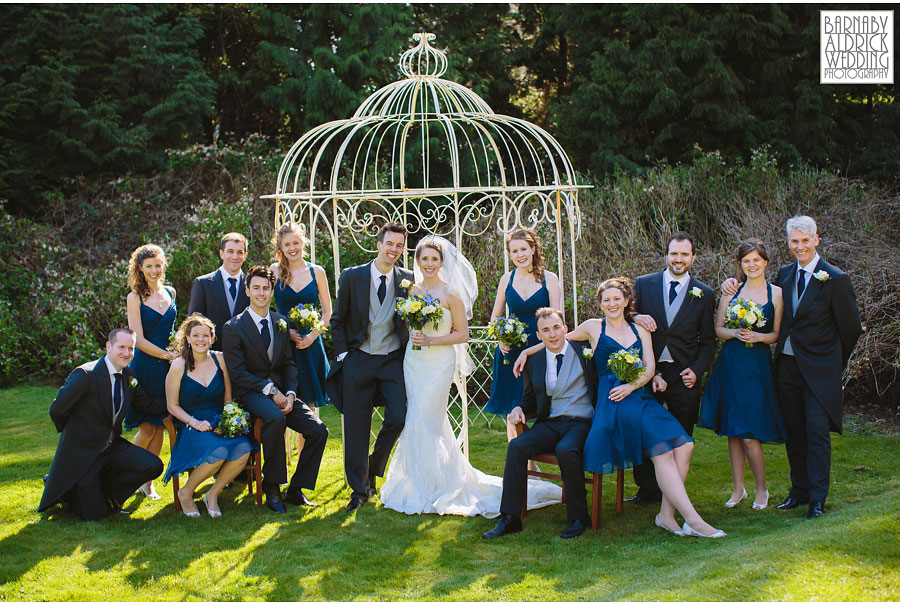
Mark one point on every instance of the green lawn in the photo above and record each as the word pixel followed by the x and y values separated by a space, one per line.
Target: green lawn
pixel 853 553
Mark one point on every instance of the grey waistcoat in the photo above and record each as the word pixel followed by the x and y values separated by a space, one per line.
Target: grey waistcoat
pixel 570 396
pixel 671 311
pixel 381 336
pixel 795 301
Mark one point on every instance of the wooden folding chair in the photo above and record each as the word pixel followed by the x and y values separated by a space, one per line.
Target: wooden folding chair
pixel 253 466
pixel 595 481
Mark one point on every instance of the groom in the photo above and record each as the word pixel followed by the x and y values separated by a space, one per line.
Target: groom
pixel 369 340
pixel 561 389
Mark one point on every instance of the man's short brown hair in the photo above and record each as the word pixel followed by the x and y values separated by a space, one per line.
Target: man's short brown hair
pixel 396 227
pixel 547 313
pixel 115 333
pixel 233 237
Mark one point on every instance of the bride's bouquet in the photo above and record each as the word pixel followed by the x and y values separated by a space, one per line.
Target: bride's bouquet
pixel 508 331
pixel 626 365
pixel 233 422
pixel 306 318
pixel 419 310
pixel 744 314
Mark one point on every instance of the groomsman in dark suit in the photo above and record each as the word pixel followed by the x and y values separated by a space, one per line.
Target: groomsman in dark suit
pixel 561 389
pixel 95 470
pixel 679 312
pixel 369 341
pixel 220 295
pixel 260 360
pixel 818 332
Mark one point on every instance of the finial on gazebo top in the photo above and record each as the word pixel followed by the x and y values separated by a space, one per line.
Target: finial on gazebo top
pixel 424 59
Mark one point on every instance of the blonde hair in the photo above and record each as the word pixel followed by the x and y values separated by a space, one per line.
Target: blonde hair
pixel 284 267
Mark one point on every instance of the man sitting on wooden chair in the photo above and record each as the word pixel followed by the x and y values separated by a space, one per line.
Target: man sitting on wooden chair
pixel 561 391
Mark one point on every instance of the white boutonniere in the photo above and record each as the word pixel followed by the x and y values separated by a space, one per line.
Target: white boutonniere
pixel 282 326
pixel 696 293
pixel 588 354
pixel 405 284
pixel 132 383
pixel 821 276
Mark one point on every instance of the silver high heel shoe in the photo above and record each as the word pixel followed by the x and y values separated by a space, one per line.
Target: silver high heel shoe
pixel 760 507
pixel 659 524
pixel 733 503
pixel 689 531
pixel 212 512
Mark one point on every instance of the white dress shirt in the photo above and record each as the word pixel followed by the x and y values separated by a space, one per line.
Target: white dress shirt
pixel 552 376
pixel 272 326
pixel 682 281
pixel 376 277
pixel 113 371
pixel 808 270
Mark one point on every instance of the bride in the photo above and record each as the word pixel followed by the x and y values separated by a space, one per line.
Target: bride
pixel 428 473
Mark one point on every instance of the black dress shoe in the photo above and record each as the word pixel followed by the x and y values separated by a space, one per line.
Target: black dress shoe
pixel 641 497
pixel 297 498
pixel 790 503
pixel 576 528
pixel 816 509
pixel 356 502
pixel 508 524
pixel 274 500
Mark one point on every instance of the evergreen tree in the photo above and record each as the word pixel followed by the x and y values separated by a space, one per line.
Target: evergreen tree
pixel 88 89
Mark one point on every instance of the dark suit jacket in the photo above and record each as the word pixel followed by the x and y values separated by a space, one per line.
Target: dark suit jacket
pixel 83 413
pixel 692 335
pixel 350 321
pixel 248 361
pixel 823 332
pixel 209 299
pixel 535 400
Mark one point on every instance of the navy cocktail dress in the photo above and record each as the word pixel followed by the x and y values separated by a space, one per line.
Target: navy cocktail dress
pixel 312 364
pixel 192 447
pixel 151 371
pixel 624 433
pixel 506 389
pixel 739 399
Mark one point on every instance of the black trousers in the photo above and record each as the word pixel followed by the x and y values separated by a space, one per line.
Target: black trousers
pixel 807 425
pixel 563 437
pixel 302 420
pixel 115 475
pixel 368 378
pixel 684 404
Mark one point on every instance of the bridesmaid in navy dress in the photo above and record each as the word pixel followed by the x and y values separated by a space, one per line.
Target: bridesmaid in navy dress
pixel 300 282
pixel 197 389
pixel 522 291
pixel 151 315
pixel 629 425
pixel 739 400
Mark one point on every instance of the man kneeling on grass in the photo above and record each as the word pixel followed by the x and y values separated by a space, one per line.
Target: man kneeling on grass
pixel 95 469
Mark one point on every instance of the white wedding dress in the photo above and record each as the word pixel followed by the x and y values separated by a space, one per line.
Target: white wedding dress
pixel 429 473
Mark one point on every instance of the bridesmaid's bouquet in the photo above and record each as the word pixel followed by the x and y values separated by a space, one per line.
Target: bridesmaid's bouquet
pixel 419 310
pixel 508 331
pixel 233 422
pixel 744 314
pixel 626 365
pixel 306 318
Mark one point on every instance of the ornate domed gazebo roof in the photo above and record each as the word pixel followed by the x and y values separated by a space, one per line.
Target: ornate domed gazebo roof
pixel 423 136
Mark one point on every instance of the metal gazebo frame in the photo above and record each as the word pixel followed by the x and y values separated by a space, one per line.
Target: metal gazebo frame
pixel 433 155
